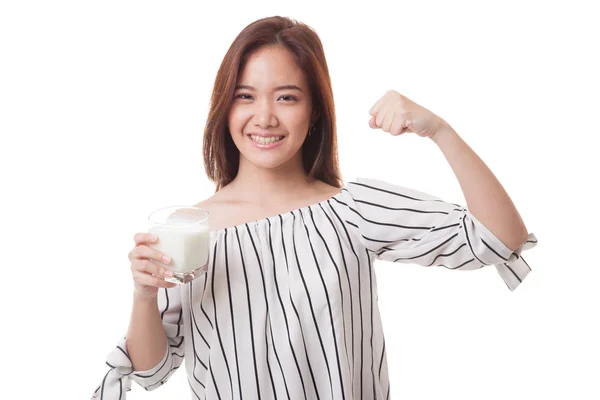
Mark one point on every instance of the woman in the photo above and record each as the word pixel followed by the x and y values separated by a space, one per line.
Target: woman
pixel 288 308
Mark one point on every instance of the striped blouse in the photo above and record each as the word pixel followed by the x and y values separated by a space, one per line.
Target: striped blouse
pixel 288 308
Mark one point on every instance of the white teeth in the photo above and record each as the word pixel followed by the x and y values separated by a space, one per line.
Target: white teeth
pixel 263 140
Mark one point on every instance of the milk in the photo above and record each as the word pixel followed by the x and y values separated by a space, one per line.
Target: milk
pixel 186 242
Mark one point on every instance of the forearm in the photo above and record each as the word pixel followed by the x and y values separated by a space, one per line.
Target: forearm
pixel 486 198
pixel 146 338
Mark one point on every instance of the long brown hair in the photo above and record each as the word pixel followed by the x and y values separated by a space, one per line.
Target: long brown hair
pixel 319 151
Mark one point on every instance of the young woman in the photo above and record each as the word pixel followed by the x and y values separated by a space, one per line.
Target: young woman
pixel 288 308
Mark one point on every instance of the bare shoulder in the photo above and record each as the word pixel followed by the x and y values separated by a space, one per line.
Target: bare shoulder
pixel 227 208
pixel 217 205
pixel 326 190
pixel 205 204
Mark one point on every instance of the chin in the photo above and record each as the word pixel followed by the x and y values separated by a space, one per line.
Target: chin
pixel 269 161
pixel 266 162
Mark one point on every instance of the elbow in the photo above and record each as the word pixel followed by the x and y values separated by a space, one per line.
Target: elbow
pixel 517 240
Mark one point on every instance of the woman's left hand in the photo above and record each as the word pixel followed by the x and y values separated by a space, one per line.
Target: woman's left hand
pixel 397 114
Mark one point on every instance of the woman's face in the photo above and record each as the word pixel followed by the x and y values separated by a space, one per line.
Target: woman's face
pixel 271 110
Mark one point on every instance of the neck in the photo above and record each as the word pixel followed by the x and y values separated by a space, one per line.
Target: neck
pixel 271 185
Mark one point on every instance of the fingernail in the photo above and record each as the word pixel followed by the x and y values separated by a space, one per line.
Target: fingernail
pixel 153 238
pixel 166 259
pixel 168 272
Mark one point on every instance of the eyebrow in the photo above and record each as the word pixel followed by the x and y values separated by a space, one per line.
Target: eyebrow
pixel 283 87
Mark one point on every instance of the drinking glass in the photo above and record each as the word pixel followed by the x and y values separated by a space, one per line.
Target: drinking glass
pixel 183 234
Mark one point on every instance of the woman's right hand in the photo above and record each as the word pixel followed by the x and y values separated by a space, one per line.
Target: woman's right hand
pixel 147 276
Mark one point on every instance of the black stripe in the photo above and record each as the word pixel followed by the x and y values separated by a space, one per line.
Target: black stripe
pixel 445 227
pixel 126 355
pixel 237 363
pixel 447 254
pixel 468 240
pixel 318 267
pixel 166 306
pixel 381 360
pixel 312 310
pixel 349 285
pixel 217 323
pixel 387 241
pixel 491 248
pixel 215 383
pixel 193 318
pixel 327 296
pixel 383 223
pixel 513 272
pixel 372 353
pixel 179 323
pixel 362 328
pixel 270 329
pixel 389 191
pixel 310 369
pixel 401 209
pixel 192 388
pixel 249 310
pixel 459 266
pixel 201 362
pixel 159 368
pixel 353 224
pixel 178 345
pixel 287 326
pixel 347 280
pixel 262 275
pixel 204 291
pixel 429 251
pixel 103 381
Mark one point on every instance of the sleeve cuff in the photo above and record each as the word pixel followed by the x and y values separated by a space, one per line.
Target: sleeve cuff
pixel 157 375
pixel 514 270
pixel 510 265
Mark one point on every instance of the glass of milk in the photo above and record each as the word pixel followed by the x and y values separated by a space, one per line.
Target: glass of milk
pixel 183 234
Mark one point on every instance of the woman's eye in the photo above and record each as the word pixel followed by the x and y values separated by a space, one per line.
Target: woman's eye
pixel 245 96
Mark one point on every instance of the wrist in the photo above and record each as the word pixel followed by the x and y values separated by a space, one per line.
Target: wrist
pixel 145 299
pixel 443 134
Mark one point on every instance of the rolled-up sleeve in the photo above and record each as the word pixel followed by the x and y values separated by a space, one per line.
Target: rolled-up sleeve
pixel 404 225
pixel 117 381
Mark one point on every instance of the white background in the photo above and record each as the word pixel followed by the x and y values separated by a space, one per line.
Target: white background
pixel 102 109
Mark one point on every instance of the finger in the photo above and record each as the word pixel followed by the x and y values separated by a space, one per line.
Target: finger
pixel 406 123
pixel 149 280
pixel 406 126
pixel 397 125
pixel 375 109
pixel 372 123
pixel 148 267
pixel 387 121
pixel 144 237
pixel 143 251
pixel 379 118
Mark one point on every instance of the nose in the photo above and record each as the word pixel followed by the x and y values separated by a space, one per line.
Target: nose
pixel 264 117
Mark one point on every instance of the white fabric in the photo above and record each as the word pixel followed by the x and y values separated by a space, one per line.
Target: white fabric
pixel 288 308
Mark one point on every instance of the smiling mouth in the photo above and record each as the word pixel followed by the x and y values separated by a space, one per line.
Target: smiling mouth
pixel 266 140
